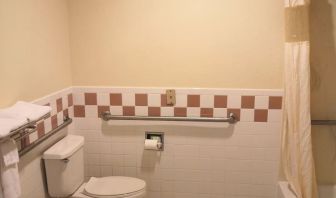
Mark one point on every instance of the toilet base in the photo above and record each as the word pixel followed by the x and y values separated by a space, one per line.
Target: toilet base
pixel 79 194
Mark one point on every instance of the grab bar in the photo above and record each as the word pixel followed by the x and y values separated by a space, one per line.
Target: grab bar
pixel 323 122
pixel 231 119
pixel 25 150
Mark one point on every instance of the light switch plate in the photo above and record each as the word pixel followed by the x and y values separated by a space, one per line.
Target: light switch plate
pixel 171 97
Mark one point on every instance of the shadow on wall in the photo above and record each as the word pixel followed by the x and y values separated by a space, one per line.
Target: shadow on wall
pixel 323 82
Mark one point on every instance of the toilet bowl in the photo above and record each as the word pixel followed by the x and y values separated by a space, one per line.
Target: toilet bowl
pixel 64 164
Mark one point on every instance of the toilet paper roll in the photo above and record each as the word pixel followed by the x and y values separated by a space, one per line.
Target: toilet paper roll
pixel 151 144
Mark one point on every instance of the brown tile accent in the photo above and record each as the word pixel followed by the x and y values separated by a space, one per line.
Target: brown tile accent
pixel 90 98
pixel 25 142
pixel 141 99
pixel 79 111
pixel 102 109
pixel 70 100
pixel 59 105
pixel 247 102
pixel 128 111
pixel 65 113
pixel 154 111
pixel 275 102
pixel 40 129
pixel 236 113
pixel 206 112
pixel 260 115
pixel 164 100
pixel 180 112
pixel 193 101
pixel 220 101
pixel 54 122
pixel 115 99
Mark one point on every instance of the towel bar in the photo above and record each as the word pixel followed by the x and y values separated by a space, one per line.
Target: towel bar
pixel 26 132
pixel 23 151
pixel 23 129
pixel 107 116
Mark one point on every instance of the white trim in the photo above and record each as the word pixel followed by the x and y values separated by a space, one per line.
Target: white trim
pixel 158 90
pixel 179 90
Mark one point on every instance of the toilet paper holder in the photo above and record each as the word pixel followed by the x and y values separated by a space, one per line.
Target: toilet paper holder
pixel 156 136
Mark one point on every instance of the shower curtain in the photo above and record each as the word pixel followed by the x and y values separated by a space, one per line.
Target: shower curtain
pixel 297 158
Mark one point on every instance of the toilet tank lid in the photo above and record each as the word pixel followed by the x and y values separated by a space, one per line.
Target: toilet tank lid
pixel 64 148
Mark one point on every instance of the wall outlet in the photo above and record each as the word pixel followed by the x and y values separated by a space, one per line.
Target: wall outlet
pixel 171 97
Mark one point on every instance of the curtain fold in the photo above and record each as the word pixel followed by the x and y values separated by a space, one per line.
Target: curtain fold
pixel 297 157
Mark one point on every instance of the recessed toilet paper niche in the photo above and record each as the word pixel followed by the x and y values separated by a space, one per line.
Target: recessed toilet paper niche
pixel 154 141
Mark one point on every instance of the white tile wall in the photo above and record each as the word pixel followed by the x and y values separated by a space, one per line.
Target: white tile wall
pixel 261 102
pixel 103 99
pixel 199 161
pixel 193 112
pixel 207 101
pixel 234 101
pixel 167 111
pixel 154 100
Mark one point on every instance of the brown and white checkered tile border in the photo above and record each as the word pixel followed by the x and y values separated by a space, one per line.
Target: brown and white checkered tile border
pixel 62 106
pixel 260 106
pixel 248 108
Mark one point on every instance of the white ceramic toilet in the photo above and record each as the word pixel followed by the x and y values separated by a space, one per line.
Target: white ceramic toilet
pixel 64 164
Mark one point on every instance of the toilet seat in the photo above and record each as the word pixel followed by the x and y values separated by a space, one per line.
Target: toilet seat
pixel 114 187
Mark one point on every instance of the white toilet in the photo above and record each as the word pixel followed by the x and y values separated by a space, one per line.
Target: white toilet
pixel 64 164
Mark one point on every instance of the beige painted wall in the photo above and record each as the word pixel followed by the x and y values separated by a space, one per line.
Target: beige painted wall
pixel 180 43
pixel 323 65
pixel 177 43
pixel 34 49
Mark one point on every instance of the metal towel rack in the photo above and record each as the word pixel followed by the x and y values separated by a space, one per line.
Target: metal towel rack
pixel 231 119
pixel 23 130
pixel 323 122
pixel 29 128
pixel 25 150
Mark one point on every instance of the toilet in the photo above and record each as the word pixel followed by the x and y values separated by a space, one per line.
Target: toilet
pixel 64 165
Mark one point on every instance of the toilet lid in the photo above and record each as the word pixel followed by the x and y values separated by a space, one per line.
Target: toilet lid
pixel 113 186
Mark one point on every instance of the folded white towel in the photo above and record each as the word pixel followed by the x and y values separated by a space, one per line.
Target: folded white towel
pixel 9 152
pixel 10 180
pixel 24 109
pixel 9 124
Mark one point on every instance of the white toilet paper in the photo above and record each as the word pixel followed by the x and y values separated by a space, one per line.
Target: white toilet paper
pixel 151 144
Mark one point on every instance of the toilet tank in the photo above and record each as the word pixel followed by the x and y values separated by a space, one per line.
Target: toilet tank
pixel 64 165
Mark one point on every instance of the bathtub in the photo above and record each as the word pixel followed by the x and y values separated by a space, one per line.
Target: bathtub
pixel 325 191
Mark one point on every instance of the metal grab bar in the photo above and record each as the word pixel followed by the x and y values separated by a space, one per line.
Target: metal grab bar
pixel 107 116
pixel 25 150
pixel 323 122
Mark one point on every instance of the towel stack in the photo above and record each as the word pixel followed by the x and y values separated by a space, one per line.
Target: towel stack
pixel 19 114
pixel 10 119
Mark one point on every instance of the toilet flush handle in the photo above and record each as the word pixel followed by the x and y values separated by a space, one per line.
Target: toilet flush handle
pixel 66 160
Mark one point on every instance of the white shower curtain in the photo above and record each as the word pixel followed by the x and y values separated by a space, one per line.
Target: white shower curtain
pixel 297 157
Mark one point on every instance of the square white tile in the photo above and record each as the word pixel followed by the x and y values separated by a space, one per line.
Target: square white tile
pixel 261 102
